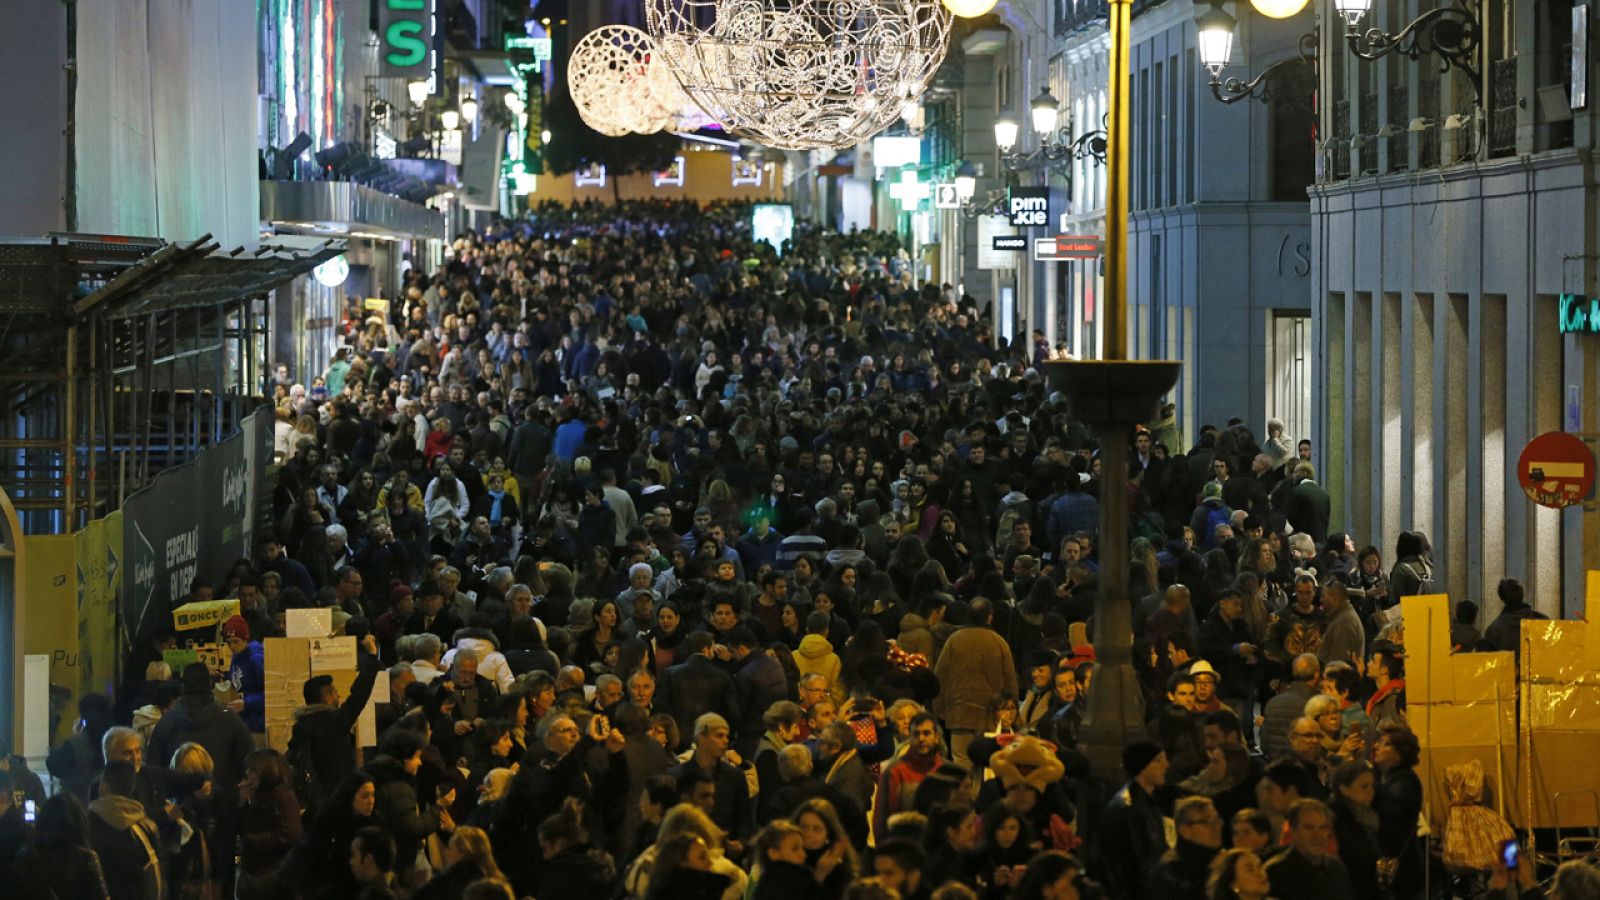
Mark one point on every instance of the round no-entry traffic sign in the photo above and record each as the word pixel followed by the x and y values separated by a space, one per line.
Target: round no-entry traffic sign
pixel 1556 470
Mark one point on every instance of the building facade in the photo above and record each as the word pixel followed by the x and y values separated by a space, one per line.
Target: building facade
pixel 1219 242
pixel 1450 216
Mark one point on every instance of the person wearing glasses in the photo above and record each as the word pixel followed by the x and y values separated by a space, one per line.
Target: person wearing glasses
pixel 1184 869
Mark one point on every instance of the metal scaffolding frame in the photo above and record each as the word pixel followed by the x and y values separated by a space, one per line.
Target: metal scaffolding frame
pixel 121 357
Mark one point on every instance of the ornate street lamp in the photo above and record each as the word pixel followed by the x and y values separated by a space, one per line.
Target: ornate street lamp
pixel 1214 39
pixel 1451 33
pixel 1056 142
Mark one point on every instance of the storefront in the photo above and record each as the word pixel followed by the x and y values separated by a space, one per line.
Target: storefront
pixel 386 235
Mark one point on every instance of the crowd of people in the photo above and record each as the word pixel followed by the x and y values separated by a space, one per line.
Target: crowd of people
pixel 701 571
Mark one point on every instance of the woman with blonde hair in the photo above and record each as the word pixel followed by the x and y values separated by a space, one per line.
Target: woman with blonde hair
pixel 468 857
pixel 199 857
pixel 686 819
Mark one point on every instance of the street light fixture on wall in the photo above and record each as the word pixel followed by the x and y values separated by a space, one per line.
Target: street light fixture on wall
pixel 1056 143
pixel 1452 33
pixel 1214 31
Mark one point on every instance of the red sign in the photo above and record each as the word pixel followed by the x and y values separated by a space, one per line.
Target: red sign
pixel 1068 246
pixel 1556 470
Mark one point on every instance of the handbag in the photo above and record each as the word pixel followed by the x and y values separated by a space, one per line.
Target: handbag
pixel 204 887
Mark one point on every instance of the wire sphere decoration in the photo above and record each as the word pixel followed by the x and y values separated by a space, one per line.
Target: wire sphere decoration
pixel 609 76
pixel 802 74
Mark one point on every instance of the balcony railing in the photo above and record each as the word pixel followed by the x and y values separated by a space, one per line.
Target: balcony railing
pixel 1503 107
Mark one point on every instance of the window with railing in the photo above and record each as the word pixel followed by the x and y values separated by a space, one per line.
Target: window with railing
pixel 1552 76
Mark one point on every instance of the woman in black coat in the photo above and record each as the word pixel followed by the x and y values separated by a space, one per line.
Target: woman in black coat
pixel 573 868
pixel 1398 801
pixel 318 866
pixel 58 864
pixel 1355 826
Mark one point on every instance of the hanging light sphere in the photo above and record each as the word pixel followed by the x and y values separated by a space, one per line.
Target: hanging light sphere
pixel 969 9
pixel 1278 9
pixel 620 85
pixel 801 74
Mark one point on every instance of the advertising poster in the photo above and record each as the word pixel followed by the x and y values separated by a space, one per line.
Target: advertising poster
pixel 208 511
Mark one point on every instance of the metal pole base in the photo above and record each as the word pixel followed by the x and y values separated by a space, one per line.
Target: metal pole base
pixel 1111 397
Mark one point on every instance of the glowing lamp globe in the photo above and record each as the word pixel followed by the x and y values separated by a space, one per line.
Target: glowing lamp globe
pixel 969 9
pixel 332 273
pixel 1278 9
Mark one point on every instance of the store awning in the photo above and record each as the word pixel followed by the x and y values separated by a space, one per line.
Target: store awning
pixel 346 209
pixel 200 274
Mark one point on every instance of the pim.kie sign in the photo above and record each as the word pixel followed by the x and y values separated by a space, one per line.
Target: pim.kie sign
pixel 1029 206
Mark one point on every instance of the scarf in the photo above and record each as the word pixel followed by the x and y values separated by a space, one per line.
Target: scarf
pixel 1394 686
pixel 494 506
pixel 833 770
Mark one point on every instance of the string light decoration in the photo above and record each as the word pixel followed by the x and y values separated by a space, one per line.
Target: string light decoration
pixel 615 81
pixel 801 74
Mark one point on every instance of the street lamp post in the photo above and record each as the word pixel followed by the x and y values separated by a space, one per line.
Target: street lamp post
pixel 1111 396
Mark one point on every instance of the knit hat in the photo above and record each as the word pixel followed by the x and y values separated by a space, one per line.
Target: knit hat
pixel 398 590
pixel 1139 754
pixel 1039 658
pixel 236 627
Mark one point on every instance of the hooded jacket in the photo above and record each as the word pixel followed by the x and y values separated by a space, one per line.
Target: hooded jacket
pixel 320 746
pixel 200 718
pixel 145 719
pixel 247 672
pixel 396 808
pixel 816 656
pixel 127 843
pixel 492 663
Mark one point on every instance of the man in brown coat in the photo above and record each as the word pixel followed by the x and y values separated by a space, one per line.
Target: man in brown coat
pixel 974 669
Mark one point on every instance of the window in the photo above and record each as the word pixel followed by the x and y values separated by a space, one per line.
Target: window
pixel 1293 135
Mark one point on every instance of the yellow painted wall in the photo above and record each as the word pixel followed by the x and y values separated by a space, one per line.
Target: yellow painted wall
pixel 70 593
pixel 708 177
pixel 51 622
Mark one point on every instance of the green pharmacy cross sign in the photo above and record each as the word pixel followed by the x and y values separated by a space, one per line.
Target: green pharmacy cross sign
pixel 407 28
pixel 1578 315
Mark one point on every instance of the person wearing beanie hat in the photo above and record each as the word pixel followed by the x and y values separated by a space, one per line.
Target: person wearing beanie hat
pixel 1132 822
pixel 247 673
pixel 388 627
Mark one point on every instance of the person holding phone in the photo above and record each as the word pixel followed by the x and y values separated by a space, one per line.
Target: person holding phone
pixel 16 824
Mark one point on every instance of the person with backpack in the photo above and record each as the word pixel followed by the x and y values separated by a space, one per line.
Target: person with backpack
pixel 1211 512
pixel 322 749
pixel 125 838
pixel 1413 573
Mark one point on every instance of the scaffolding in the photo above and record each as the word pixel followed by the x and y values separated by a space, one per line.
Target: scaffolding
pixel 121 357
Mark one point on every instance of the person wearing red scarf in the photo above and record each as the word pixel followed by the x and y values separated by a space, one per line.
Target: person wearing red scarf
pixel 1387 669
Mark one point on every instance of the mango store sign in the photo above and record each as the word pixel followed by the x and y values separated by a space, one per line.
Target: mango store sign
pixel 1579 315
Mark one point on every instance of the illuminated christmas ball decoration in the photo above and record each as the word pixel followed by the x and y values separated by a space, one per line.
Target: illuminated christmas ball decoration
pixel 801 74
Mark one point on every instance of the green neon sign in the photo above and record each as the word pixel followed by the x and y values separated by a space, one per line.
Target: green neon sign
pixel 1578 315
pixel 407 29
